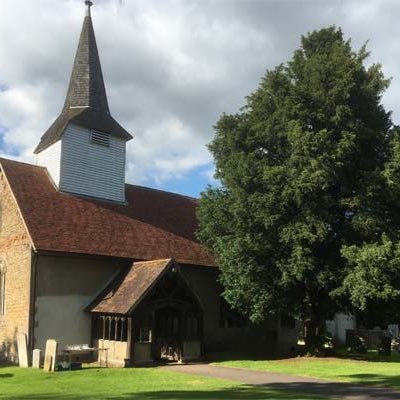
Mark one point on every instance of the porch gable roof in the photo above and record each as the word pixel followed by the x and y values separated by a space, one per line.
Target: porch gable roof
pixel 128 288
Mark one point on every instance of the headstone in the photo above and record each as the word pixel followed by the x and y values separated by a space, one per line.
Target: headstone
pixel 393 329
pixel 22 350
pixel 50 355
pixel 36 358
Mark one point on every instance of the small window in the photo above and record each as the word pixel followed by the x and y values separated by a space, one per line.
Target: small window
pixel 110 328
pixel 2 288
pixel 145 335
pixel 145 330
pixel 100 138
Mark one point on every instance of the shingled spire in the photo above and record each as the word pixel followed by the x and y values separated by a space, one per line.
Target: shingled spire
pixel 86 102
pixel 86 87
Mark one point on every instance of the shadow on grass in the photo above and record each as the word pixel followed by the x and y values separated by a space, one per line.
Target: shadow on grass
pixel 375 380
pixel 341 353
pixel 370 357
pixel 6 375
pixel 339 390
pixel 238 393
pixel 5 364
pixel 277 391
pixel 299 390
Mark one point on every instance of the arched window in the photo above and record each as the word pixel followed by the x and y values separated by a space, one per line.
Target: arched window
pixel 2 287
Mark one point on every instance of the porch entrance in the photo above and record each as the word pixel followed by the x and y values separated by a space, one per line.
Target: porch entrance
pixel 169 321
pixel 149 313
pixel 168 327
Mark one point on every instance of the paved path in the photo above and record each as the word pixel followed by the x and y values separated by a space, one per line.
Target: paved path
pixel 336 390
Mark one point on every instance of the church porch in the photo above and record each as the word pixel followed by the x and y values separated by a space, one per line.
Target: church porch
pixel 148 314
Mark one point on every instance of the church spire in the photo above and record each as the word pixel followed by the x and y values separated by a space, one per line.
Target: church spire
pixel 86 87
pixel 86 102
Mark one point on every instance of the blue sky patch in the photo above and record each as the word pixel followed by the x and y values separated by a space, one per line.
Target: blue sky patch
pixel 6 148
pixel 191 184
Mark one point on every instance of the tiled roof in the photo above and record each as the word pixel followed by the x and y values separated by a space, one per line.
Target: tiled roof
pixel 152 225
pixel 129 287
pixel 86 101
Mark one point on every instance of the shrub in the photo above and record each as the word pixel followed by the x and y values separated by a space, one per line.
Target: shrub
pixel 357 344
pixel 385 346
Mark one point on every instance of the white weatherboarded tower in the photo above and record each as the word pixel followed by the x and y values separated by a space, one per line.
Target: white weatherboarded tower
pixel 84 148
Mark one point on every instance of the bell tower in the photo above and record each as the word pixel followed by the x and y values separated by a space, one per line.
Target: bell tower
pixel 84 149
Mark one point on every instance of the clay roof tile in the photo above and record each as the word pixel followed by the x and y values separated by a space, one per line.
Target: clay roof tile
pixel 152 225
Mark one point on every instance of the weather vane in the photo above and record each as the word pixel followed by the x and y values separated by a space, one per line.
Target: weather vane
pixel 89 4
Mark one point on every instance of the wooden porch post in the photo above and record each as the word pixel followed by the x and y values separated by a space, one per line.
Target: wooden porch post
pixel 182 334
pixel 153 325
pixel 129 338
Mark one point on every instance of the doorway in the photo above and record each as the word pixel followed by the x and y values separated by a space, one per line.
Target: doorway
pixel 168 334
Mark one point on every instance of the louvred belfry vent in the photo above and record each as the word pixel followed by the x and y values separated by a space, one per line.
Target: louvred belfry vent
pixel 100 138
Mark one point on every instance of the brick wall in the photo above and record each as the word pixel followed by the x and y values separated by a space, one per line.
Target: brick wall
pixel 15 255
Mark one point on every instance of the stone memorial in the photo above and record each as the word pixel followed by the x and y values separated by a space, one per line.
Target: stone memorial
pixel 36 358
pixel 22 350
pixel 50 355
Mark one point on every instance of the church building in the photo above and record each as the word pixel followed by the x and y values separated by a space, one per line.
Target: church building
pixel 87 259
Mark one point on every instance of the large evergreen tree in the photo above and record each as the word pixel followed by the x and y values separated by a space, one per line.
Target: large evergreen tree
pixel 306 221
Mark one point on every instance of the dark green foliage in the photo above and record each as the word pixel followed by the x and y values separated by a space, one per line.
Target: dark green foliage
pixel 379 314
pixel 357 344
pixel 306 221
pixel 385 347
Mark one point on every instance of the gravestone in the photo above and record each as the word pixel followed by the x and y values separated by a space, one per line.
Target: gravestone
pixel 50 355
pixel 22 350
pixel 393 329
pixel 36 358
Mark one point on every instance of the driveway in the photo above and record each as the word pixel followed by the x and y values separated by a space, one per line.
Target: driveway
pixel 335 390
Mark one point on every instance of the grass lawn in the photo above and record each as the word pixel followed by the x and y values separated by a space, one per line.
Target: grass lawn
pixel 133 384
pixel 370 369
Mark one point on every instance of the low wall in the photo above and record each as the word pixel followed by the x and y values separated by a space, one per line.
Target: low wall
pixel 191 350
pixel 142 352
pixel 112 353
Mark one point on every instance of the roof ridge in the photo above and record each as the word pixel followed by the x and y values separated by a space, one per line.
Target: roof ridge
pixel 157 260
pixel 163 191
pixel 19 162
pixel 126 184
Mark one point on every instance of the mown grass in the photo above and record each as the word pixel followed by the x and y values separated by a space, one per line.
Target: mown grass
pixel 124 384
pixel 369 369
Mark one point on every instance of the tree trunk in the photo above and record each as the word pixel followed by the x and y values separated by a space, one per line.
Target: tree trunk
pixel 313 335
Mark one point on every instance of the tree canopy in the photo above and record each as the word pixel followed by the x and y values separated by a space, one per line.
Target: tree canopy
pixel 306 221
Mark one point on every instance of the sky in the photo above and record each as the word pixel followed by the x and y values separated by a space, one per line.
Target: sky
pixel 171 68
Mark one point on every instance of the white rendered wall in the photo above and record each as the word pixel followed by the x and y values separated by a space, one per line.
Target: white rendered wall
pixel 51 159
pixel 65 286
pixel 90 169
pixel 62 318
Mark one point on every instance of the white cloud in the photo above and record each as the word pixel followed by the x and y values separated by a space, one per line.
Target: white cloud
pixel 171 67
pixel 209 175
